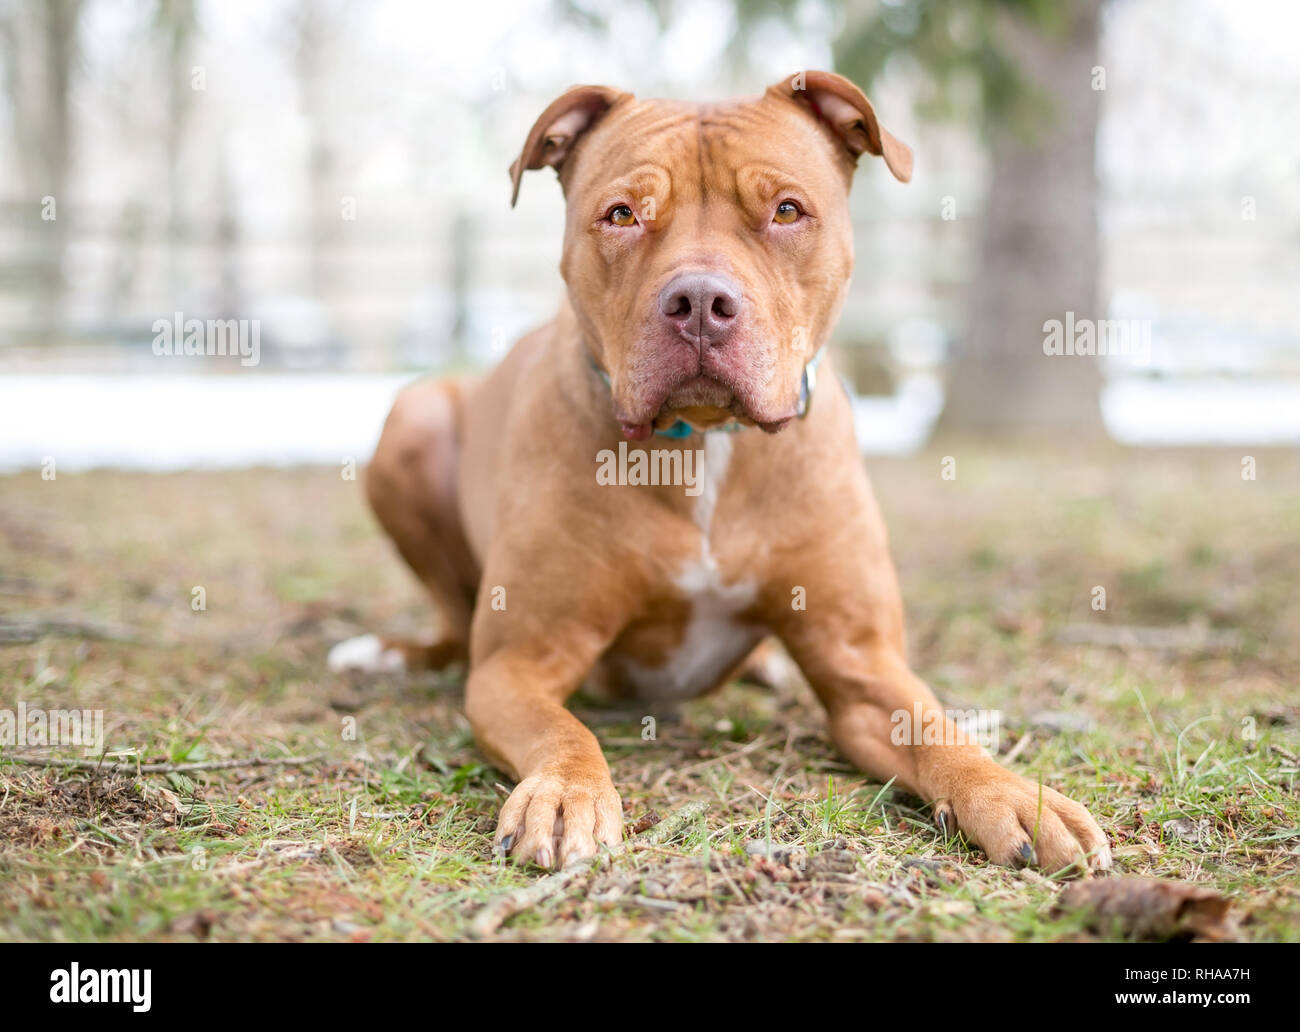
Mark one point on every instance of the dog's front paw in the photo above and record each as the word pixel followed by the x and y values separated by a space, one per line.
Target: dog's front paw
pixel 560 816
pixel 1018 823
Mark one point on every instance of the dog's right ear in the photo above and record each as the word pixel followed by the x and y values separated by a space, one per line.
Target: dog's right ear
pixel 554 134
pixel 844 109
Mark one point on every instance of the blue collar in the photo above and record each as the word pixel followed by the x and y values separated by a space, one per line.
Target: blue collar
pixel 680 429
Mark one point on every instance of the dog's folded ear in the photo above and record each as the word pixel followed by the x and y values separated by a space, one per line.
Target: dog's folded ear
pixel 557 130
pixel 845 110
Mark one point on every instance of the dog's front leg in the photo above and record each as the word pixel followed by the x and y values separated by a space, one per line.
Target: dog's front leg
pixel 564 805
pixel 887 722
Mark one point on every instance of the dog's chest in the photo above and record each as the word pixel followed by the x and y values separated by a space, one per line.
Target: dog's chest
pixel 702 635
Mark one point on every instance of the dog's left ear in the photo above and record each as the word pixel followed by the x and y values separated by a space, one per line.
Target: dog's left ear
pixel 845 110
pixel 557 130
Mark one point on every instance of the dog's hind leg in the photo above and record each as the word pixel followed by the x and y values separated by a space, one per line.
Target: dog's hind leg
pixel 770 666
pixel 411 486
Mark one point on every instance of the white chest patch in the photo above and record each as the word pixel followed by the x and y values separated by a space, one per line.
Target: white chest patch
pixel 715 641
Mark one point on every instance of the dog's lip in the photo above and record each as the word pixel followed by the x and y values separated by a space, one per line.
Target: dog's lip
pixel 636 431
pixel 703 402
pixel 706 390
pixel 639 422
pixel 701 379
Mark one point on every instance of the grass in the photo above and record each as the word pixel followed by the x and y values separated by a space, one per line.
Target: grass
pixel 1185 751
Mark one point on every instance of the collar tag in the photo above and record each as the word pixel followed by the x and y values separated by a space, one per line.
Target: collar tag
pixel 679 429
pixel 808 383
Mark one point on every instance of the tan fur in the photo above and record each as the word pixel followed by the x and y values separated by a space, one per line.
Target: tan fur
pixel 491 487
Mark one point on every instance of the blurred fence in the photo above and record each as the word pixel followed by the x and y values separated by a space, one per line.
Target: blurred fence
pixel 375 293
pixel 388 292
pixel 381 292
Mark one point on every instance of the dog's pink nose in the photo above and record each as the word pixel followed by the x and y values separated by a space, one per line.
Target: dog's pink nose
pixel 701 306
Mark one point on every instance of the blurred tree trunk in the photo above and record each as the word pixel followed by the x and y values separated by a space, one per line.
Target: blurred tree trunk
pixel 1038 250
pixel 40 44
pixel 176 24
pixel 313 30
pixel 229 302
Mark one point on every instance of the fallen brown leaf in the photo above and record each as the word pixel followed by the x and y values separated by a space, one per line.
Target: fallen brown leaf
pixel 646 822
pixel 198 924
pixel 1149 908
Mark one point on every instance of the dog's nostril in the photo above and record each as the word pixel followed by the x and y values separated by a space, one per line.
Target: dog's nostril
pixel 724 307
pixel 680 305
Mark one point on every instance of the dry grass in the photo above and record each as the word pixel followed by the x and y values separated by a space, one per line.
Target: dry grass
pixel 1187 754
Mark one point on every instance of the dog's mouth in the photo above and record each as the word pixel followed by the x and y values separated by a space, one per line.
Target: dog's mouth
pixel 703 397
pixel 705 403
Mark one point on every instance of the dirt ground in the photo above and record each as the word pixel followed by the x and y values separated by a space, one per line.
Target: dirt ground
pixel 1174 714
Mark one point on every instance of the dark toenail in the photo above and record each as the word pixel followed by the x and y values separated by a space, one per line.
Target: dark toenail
pixel 1027 853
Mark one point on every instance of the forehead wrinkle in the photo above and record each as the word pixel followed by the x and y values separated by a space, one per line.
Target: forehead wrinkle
pixel 634 135
pixel 647 177
pixel 701 148
pixel 732 132
pixel 757 140
pixel 718 127
pixel 759 182
pixel 647 124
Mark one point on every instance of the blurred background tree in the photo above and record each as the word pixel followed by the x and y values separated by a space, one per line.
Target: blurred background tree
pixel 39 52
pixel 1025 72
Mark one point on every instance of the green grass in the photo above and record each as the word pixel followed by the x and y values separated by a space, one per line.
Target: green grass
pixel 1187 755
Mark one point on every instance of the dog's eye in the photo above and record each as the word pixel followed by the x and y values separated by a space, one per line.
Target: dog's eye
pixel 621 215
pixel 787 212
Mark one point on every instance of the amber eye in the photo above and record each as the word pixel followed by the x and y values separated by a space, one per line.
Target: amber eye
pixel 787 212
pixel 621 215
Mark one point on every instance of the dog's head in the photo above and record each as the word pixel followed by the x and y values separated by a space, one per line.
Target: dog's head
pixel 708 247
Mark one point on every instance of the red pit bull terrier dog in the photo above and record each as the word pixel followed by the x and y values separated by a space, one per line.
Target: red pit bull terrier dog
pixel 707 253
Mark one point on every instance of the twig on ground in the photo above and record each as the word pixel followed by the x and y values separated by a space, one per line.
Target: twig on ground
pixel 22 630
pixel 654 903
pixel 1286 754
pixel 758 743
pixel 1017 749
pixel 162 768
pixel 297 852
pixel 1188 638
pixel 499 910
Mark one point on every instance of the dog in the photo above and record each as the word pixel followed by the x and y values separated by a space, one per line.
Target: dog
pixel 707 254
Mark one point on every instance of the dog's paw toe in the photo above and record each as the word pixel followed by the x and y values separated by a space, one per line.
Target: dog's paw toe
pixel 556 819
pixel 1020 824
